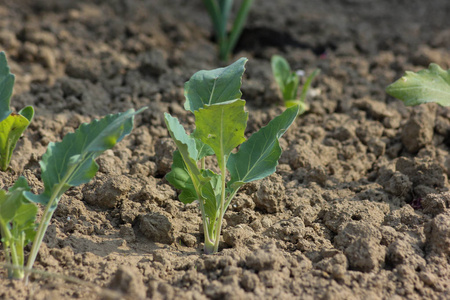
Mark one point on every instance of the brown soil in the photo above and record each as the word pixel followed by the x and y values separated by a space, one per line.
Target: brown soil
pixel 358 207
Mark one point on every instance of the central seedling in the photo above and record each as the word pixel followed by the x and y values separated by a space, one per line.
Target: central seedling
pixel 220 120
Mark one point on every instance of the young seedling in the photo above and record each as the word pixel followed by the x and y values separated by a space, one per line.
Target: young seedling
pixel 429 85
pixel 219 11
pixel 220 121
pixel 288 82
pixel 12 125
pixel 68 163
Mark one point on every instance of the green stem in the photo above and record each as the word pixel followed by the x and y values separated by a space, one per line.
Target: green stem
pixel 230 197
pixel 6 159
pixel 5 247
pixel 209 243
pixel 43 225
pixel 218 228
pixel 45 221
pixel 203 164
pixel 238 27
pixel 11 255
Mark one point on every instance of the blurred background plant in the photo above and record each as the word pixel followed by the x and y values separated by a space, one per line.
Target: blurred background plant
pixel 219 11
pixel 288 82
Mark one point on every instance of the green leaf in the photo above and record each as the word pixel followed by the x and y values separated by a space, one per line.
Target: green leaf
pixel 307 84
pixel 27 112
pixel 291 87
pixel 429 85
pixel 221 126
pixel 179 177
pixel 214 86
pixel 71 162
pixel 281 70
pixel 287 80
pixel 6 87
pixel 211 193
pixel 16 210
pixel 203 149
pixel 11 201
pixel 11 129
pixel 185 143
pixel 302 106
pixel 187 147
pixel 258 156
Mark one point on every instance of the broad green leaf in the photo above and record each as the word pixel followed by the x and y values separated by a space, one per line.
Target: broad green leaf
pixel 429 85
pixel 11 130
pixel 71 162
pixel 258 156
pixel 6 87
pixel 203 149
pixel 214 86
pixel 221 126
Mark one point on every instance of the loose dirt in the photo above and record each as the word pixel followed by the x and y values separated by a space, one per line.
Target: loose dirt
pixel 359 207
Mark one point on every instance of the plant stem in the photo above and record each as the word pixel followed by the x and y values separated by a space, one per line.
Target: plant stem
pixel 6 159
pixel 11 255
pixel 5 247
pixel 236 30
pixel 202 166
pixel 45 221
pixel 218 226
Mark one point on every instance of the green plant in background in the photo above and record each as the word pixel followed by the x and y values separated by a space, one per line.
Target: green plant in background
pixel 219 11
pixel 12 125
pixel 220 121
pixel 288 82
pixel 17 225
pixel 429 85
pixel 68 163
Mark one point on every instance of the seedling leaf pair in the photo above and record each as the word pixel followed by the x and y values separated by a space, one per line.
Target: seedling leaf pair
pixel 220 120
pixel 12 125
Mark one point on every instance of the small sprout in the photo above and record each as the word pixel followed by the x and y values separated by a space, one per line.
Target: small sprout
pixel 288 82
pixel 215 99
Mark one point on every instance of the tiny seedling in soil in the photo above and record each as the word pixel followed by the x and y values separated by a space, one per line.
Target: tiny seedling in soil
pixel 429 85
pixel 288 82
pixel 12 125
pixel 220 120
pixel 219 11
pixel 68 163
